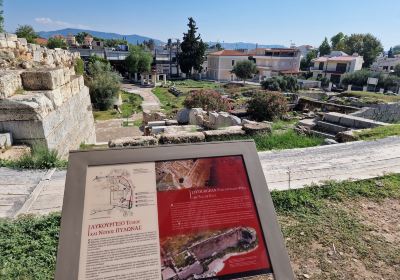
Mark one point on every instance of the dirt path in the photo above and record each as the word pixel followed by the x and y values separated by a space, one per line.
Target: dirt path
pixel 356 160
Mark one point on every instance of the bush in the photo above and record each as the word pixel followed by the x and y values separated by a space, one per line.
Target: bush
pixel 40 158
pixel 209 100
pixel 79 66
pixel 267 106
pixel 360 78
pixel 281 83
pixel 103 84
pixel 324 81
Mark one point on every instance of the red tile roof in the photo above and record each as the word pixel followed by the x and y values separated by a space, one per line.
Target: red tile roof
pixel 41 41
pixel 228 53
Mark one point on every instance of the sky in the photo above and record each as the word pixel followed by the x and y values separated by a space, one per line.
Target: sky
pixel 255 21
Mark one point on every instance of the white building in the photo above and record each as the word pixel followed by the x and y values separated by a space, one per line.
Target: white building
pixel 269 62
pixel 336 64
pixel 385 64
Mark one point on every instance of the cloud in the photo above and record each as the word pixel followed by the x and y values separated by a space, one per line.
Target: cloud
pixel 59 24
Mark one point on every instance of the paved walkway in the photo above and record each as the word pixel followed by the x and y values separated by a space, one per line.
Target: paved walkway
pixel 41 192
pixel 113 129
pixel 150 101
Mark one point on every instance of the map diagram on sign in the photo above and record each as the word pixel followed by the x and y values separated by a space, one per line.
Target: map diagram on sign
pixel 113 194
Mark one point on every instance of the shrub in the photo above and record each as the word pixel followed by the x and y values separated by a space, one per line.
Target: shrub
pixel 209 100
pixel 324 81
pixel 360 78
pixel 267 106
pixel 79 66
pixel 103 84
pixel 281 83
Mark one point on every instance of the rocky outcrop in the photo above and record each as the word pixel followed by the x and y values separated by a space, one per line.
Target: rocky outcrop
pixel 46 104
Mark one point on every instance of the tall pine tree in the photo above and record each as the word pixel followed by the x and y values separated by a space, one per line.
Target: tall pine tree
pixel 325 48
pixel 1 17
pixel 192 50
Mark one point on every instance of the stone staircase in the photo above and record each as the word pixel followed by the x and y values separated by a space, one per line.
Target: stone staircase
pixel 333 123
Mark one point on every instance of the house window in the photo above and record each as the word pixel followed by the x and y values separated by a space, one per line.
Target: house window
pixel 385 67
pixel 341 67
pixel 321 66
pixel 391 67
pixel 233 62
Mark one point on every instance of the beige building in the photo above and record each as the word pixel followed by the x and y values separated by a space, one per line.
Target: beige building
pixel 335 65
pixel 277 61
pixel 269 62
pixel 220 64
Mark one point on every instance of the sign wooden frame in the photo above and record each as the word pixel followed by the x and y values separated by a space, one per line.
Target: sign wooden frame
pixel 72 213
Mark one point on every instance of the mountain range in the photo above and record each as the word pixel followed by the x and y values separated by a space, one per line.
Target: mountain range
pixel 134 38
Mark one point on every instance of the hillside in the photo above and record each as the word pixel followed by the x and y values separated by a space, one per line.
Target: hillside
pixel 133 39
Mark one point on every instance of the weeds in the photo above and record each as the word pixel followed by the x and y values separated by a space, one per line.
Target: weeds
pixel 40 158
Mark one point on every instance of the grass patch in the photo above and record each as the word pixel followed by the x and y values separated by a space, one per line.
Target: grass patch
pixel 169 102
pixel 314 215
pixel 40 158
pixel 371 97
pixel 286 140
pixel 378 132
pixel 131 103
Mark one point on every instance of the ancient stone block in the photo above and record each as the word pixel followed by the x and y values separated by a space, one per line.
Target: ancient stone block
pixel 193 119
pixel 133 141
pixel 10 82
pixel 156 123
pixel 183 116
pixel 256 128
pixel 171 122
pixel 153 116
pixel 224 134
pixel 182 137
pixel 5 140
pixel 43 79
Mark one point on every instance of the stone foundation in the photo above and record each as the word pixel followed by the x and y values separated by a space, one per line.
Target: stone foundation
pixel 389 113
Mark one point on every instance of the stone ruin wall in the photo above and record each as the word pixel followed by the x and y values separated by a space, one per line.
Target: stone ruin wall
pixel 207 248
pixel 42 100
pixel 389 113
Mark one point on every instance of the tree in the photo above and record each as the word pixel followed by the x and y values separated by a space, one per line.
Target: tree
pixel 27 32
pixel 338 42
pixel 244 70
pixel 1 17
pixel 396 49
pixel 103 84
pixel 396 70
pixel 80 37
pixel 365 45
pixel 325 48
pixel 138 60
pixel 306 62
pixel 53 43
pixel 193 49
pixel 390 53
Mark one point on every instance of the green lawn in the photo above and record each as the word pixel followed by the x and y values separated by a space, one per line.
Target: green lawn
pixel 378 132
pixel 371 97
pixel 131 104
pixel 322 226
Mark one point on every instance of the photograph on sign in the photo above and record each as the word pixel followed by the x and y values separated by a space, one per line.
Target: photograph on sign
pixel 173 218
